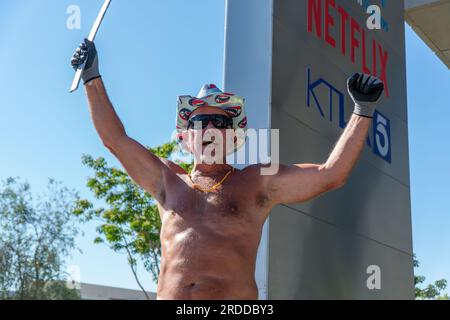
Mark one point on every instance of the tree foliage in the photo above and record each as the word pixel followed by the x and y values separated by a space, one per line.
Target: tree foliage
pixel 129 221
pixel 37 234
pixel 432 291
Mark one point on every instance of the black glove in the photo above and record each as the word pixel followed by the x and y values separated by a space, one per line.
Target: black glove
pixel 365 91
pixel 86 53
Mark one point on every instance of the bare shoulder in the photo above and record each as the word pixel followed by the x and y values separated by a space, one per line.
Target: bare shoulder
pixel 173 166
pixel 264 174
pixel 252 170
pixel 263 170
pixel 261 173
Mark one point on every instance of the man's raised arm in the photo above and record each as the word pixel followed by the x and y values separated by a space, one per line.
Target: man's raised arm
pixel 144 168
pixel 303 182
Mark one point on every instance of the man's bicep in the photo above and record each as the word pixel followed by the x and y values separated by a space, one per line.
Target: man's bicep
pixel 299 183
pixel 145 168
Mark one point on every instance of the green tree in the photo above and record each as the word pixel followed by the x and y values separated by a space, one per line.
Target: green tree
pixel 431 291
pixel 37 234
pixel 129 222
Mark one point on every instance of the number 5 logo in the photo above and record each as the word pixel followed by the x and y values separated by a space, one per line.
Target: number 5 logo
pixel 382 136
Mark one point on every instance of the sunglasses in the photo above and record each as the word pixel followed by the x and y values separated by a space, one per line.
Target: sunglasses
pixel 219 121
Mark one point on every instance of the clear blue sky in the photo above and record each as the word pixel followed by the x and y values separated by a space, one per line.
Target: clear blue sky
pixel 150 52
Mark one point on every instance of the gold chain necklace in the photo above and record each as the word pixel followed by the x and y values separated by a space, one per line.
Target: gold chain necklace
pixel 214 187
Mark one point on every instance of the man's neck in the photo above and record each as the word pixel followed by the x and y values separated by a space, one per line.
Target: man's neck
pixel 210 170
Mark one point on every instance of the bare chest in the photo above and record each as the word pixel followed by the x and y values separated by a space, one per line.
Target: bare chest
pixel 233 214
pixel 224 207
pixel 233 208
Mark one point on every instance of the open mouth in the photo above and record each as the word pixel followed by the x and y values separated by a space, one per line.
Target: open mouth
pixel 207 143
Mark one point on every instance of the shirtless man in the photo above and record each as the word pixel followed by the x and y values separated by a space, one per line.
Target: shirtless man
pixel 212 219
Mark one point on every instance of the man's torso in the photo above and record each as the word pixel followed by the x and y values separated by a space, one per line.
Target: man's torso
pixel 210 240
